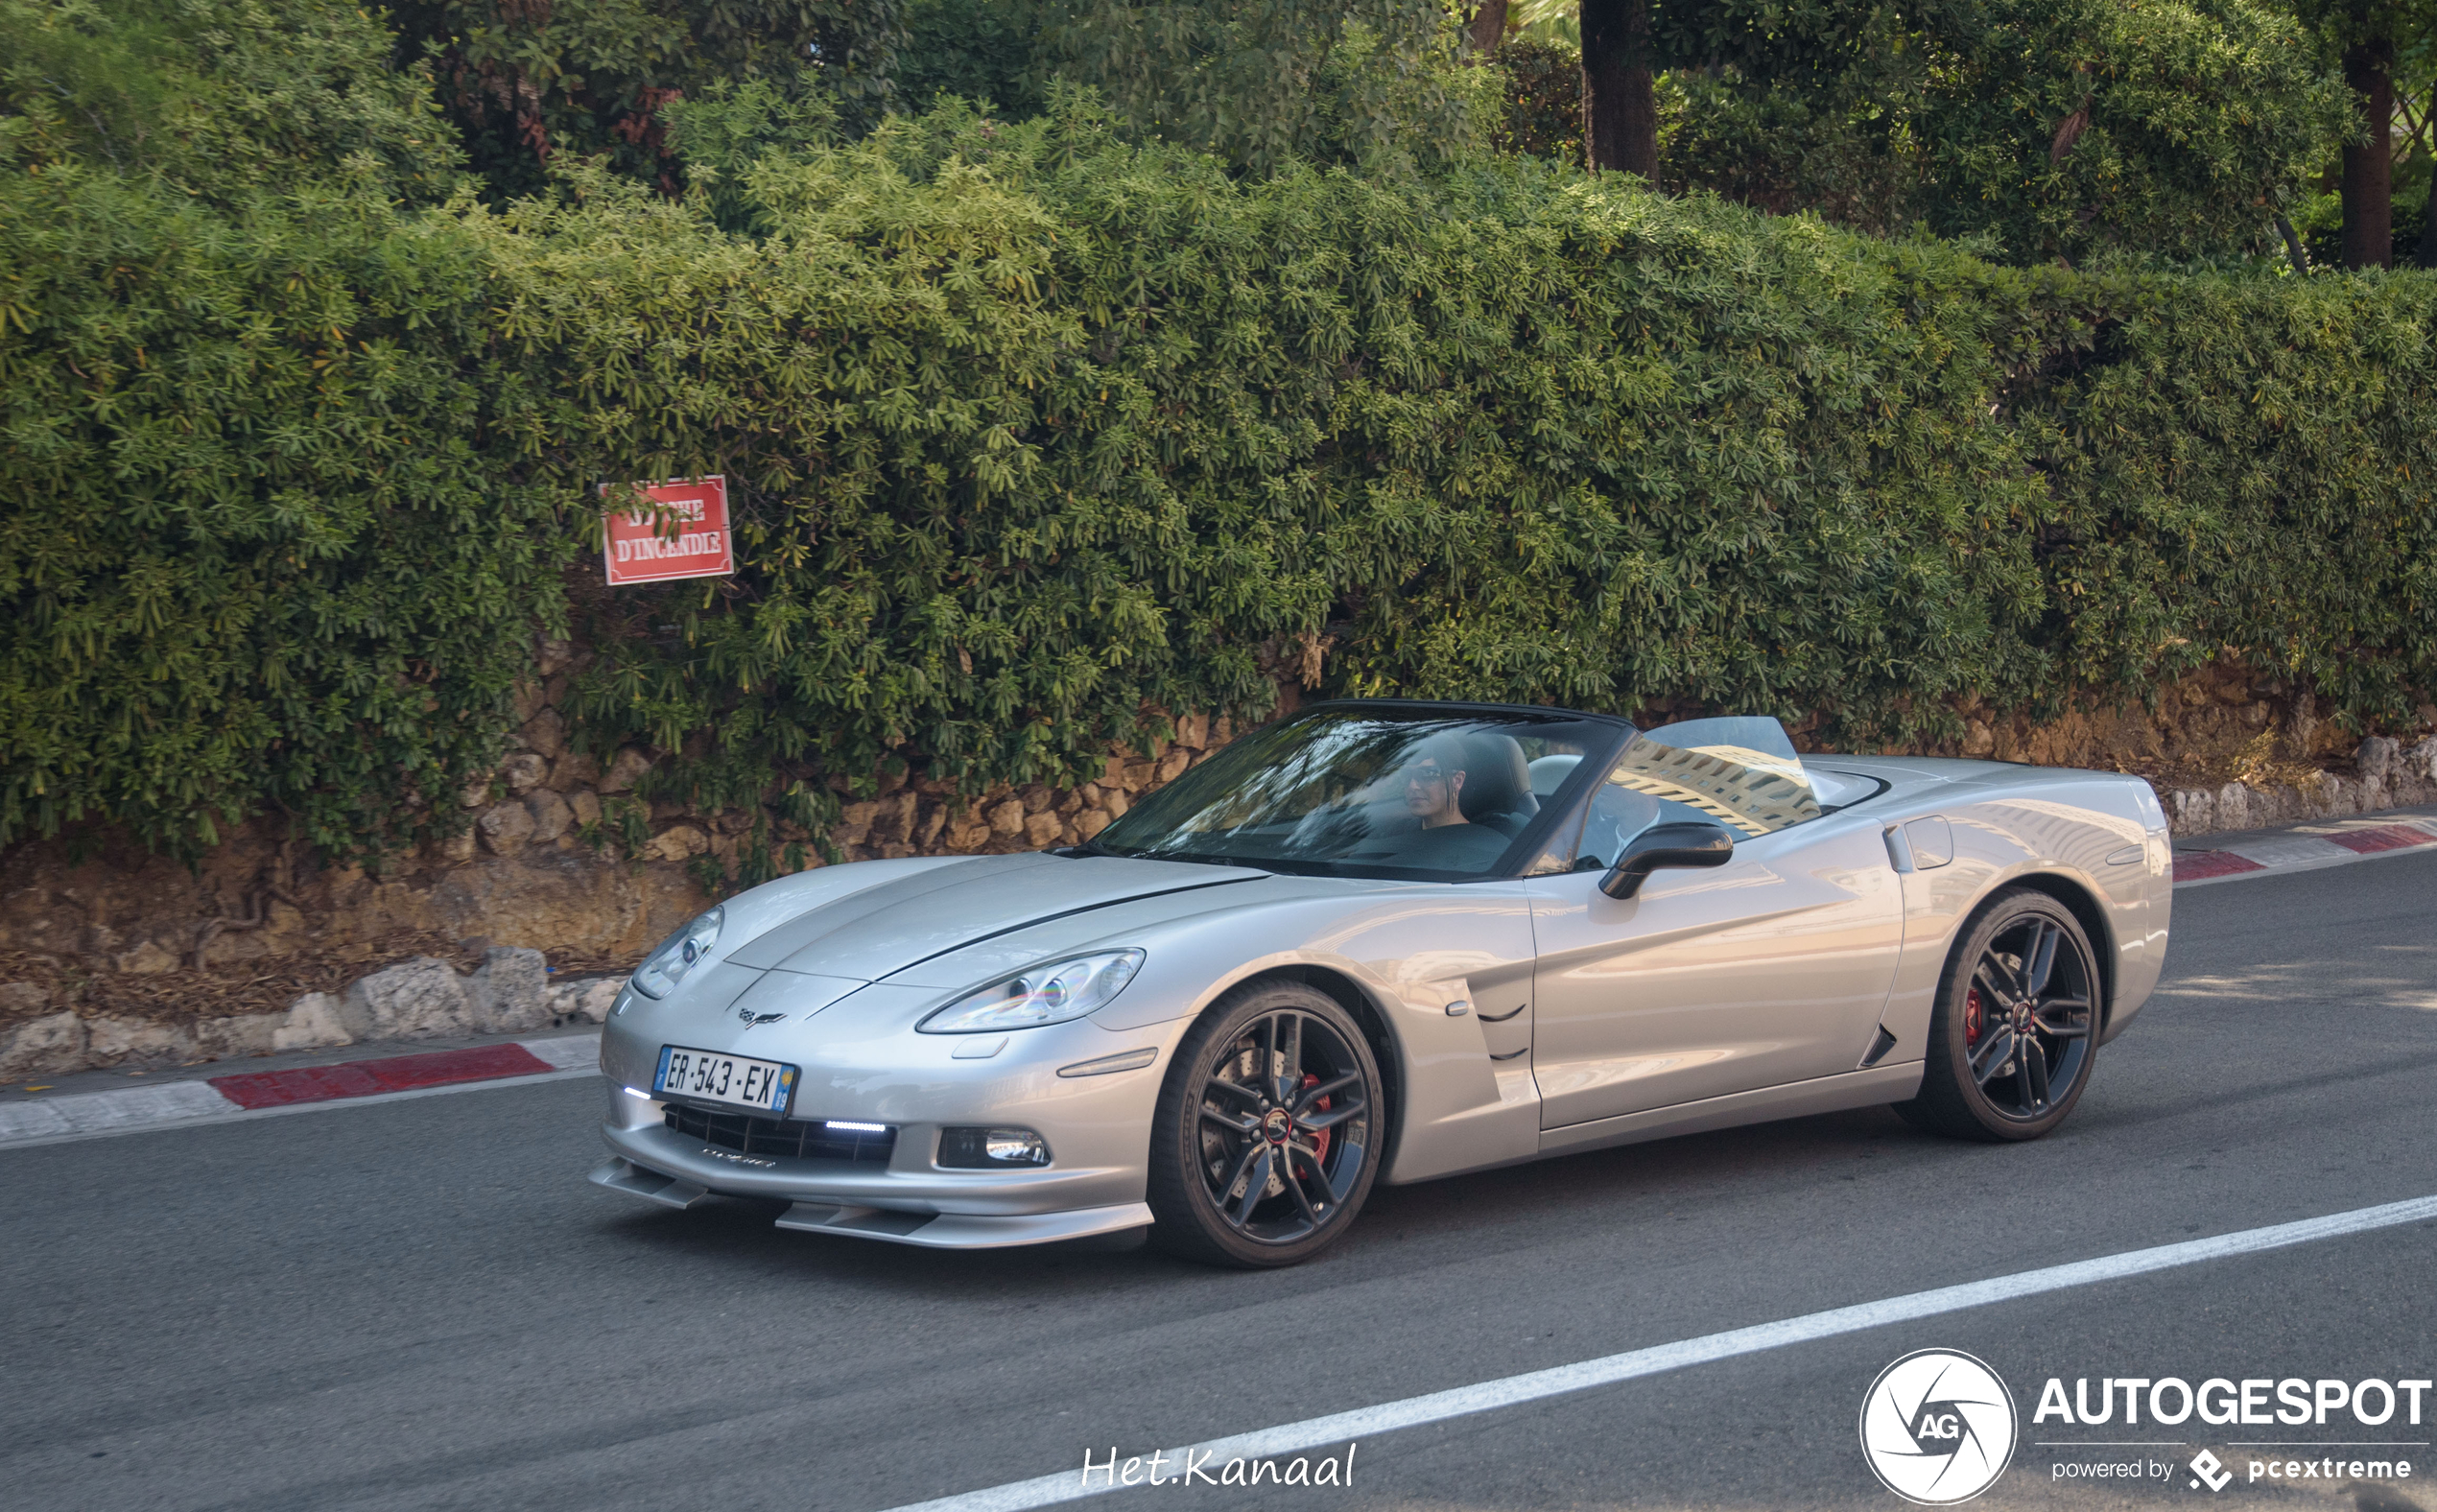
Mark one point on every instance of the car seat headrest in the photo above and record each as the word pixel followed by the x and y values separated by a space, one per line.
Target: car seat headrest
pixel 1497 779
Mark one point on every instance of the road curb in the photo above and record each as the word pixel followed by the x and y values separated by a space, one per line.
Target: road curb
pixel 2238 857
pixel 295 1089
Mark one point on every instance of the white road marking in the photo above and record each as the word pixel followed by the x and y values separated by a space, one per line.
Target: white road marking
pixel 1438 1407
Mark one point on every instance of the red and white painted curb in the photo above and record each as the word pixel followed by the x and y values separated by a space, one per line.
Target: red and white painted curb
pixel 2338 844
pixel 296 1089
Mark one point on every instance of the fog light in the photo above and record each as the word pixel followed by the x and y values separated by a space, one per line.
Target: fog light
pixel 980 1149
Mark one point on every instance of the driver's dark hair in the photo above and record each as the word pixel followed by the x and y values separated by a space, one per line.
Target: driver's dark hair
pixel 1447 748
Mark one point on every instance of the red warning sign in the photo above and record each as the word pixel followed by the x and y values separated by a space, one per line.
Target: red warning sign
pixel 638 549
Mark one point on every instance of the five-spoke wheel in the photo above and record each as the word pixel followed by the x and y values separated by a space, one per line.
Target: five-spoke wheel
pixel 1266 1141
pixel 2016 1024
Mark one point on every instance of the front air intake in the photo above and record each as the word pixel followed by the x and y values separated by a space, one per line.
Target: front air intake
pixel 784 1139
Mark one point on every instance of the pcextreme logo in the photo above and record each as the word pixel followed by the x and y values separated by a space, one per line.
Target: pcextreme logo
pixel 2207 1468
pixel 1938 1426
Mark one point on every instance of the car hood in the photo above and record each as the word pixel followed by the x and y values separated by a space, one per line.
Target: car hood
pixel 878 931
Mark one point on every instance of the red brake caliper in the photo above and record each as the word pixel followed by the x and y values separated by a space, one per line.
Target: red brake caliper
pixel 1972 1016
pixel 1319 1141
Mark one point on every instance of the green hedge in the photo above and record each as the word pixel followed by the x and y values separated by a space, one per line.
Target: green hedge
pixel 2246 464
pixel 255 550
pixel 1032 431
pixel 1033 428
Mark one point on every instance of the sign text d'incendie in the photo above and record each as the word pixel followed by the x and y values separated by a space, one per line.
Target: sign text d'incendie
pixel 637 551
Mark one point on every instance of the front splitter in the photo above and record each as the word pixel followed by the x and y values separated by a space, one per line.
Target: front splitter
pixel 931 1230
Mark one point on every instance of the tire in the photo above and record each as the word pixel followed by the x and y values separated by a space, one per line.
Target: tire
pixel 1258 1171
pixel 2023 974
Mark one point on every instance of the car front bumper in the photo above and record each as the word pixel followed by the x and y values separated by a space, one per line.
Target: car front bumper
pixel 908 1201
pixel 1097 1128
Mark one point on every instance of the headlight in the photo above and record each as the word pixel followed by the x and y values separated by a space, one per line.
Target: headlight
pixel 664 968
pixel 1050 993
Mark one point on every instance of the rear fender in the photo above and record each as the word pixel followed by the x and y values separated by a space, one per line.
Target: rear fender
pixel 2068 839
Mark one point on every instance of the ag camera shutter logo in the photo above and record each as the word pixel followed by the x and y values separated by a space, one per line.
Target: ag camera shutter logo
pixel 1938 1427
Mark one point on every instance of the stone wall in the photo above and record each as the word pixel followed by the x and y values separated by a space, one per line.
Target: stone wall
pixel 110 955
pixel 2227 749
pixel 923 817
pixel 2224 722
pixel 423 998
pixel 546 794
pixel 2385 774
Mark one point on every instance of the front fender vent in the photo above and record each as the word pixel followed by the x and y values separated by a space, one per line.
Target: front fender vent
pixel 1879 1044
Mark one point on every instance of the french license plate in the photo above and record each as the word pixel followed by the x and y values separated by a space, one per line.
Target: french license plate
pixel 762 1085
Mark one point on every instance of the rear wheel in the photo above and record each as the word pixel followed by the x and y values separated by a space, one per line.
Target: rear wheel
pixel 1266 1139
pixel 2015 1028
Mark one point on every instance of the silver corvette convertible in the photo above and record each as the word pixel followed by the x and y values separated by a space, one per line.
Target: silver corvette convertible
pixel 1387 941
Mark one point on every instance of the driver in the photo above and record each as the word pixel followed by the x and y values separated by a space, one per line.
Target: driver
pixel 1434 789
pixel 1435 783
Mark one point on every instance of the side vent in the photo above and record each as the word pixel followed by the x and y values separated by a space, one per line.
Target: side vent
pixel 1878 1048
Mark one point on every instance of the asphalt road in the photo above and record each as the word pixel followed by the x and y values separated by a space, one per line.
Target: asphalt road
pixel 420 1304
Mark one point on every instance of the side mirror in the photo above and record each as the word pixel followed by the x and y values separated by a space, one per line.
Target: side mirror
pixel 1698 843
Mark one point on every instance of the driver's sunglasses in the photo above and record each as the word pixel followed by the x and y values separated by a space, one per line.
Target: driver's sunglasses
pixel 1428 776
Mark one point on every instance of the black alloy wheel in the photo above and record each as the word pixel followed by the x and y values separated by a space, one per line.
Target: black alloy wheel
pixel 1266 1136
pixel 2016 1024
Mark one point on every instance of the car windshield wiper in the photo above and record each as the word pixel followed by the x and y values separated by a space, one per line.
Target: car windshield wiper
pixel 1198 857
pixel 1189 857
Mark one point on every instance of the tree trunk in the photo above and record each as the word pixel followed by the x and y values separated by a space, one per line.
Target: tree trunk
pixel 2369 186
pixel 1620 115
pixel 2294 251
pixel 1487 29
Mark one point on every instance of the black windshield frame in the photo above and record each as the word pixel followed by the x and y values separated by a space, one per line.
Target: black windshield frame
pixel 1602 736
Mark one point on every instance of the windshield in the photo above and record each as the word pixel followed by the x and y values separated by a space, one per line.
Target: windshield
pixel 1364 792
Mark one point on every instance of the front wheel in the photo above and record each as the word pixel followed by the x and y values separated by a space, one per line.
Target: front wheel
pixel 1267 1135
pixel 2016 1024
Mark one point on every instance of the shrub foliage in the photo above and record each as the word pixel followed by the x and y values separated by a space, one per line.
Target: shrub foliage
pixel 252 550
pixel 1035 431
pixel 1036 428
